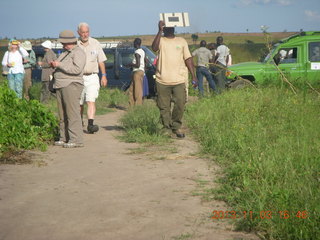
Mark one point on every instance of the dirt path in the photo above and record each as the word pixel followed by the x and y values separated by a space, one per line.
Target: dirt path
pixel 104 192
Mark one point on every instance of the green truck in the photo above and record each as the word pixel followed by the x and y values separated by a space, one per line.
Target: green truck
pixel 297 58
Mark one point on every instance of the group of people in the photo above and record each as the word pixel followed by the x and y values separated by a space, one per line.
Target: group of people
pixel 212 62
pixel 73 76
pixel 75 79
pixel 17 63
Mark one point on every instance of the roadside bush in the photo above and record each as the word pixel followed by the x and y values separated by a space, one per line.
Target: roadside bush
pixel 268 140
pixel 23 124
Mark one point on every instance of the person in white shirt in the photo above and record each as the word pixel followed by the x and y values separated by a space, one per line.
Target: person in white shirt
pixel 13 61
pixel 95 59
pixel 138 63
pixel 221 62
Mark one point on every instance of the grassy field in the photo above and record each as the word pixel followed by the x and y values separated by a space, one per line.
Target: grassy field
pixel 230 38
pixel 269 150
pixel 271 155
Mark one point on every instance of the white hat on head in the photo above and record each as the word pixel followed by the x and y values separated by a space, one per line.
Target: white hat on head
pixel 47 44
pixel 27 45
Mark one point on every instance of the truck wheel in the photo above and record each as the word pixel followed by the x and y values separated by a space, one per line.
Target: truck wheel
pixel 239 84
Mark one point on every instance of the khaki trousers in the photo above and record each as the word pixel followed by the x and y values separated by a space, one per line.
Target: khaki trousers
pixel 27 83
pixel 69 113
pixel 167 95
pixel 136 88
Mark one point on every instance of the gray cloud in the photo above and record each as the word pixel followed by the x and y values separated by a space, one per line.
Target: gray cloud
pixel 312 15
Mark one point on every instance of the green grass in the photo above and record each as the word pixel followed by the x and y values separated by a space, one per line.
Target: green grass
pixel 271 154
pixel 142 124
pixel 110 98
pixel 183 236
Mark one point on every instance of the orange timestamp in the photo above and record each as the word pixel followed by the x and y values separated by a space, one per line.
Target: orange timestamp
pixel 216 214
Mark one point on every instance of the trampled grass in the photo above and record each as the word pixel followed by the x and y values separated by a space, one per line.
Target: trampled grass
pixel 269 142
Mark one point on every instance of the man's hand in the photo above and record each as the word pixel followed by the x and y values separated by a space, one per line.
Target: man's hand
pixel 104 81
pixel 195 82
pixel 54 64
pixel 161 25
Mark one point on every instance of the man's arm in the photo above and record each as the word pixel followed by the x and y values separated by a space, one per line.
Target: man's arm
pixel 104 80
pixel 156 41
pixel 216 57
pixel 190 66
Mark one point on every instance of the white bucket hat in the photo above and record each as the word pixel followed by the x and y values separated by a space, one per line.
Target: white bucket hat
pixel 27 45
pixel 47 44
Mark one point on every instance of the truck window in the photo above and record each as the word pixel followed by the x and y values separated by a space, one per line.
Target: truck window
pixel 126 58
pixel 288 55
pixel 314 51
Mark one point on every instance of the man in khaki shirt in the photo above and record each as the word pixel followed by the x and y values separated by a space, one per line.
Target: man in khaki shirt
pixel 204 57
pixel 171 76
pixel 95 60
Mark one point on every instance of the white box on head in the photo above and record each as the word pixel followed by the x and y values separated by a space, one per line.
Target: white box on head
pixel 175 19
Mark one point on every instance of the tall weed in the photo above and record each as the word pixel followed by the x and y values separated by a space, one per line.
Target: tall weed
pixel 269 141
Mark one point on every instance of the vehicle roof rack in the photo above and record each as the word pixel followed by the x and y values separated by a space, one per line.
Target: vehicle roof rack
pixel 302 33
pixel 111 44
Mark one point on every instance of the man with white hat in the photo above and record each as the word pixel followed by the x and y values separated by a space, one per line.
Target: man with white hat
pixel 68 77
pixel 47 70
pixel 28 63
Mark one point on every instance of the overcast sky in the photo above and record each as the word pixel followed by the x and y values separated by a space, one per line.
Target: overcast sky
pixel 46 18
